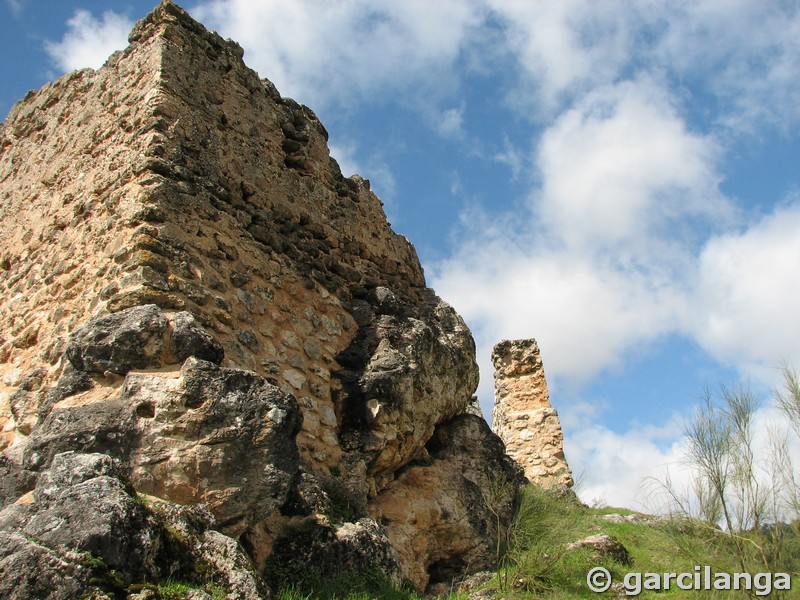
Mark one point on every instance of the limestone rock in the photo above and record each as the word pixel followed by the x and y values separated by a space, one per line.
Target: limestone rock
pixel 634 518
pixel 224 437
pixel 81 505
pixel 222 558
pixel 134 338
pixel 130 339
pixel 523 416
pixel 317 551
pixel 413 372
pixel 446 514
pixel 98 516
pixel 604 546
pixel 30 570
pixel 94 536
pixel 186 338
pixel 14 479
pixel 226 556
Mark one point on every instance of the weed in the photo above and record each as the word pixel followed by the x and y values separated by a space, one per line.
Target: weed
pixel 174 590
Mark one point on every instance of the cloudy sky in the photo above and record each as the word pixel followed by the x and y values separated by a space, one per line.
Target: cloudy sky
pixel 619 180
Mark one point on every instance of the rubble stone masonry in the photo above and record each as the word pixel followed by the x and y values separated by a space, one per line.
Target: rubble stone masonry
pixel 523 416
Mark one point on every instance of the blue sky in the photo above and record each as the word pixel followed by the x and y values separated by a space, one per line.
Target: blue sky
pixel 619 180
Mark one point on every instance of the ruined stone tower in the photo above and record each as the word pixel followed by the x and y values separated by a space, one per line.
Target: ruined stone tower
pixel 199 311
pixel 523 416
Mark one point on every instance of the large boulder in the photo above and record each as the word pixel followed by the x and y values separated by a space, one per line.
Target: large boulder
pixel 82 512
pixel 448 512
pixel 82 504
pixel 31 570
pixel 223 437
pixel 408 369
pixel 140 337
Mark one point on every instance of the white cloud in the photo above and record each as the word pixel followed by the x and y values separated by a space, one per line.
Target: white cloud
pixel 563 48
pixel 600 261
pixel 747 296
pixel 611 467
pixel 451 122
pixel 88 41
pixel 744 52
pixel 331 53
pixel 512 157
pixel 621 165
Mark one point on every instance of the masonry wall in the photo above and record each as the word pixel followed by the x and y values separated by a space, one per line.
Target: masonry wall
pixel 523 416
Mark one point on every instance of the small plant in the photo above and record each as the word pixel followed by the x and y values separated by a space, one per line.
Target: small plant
pixel 103 577
pixel 346 504
pixel 496 494
pixel 172 589
pixel 90 561
pixel 217 592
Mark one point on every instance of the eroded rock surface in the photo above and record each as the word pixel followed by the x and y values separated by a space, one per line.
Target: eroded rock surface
pixel 141 337
pixel 523 416
pixel 319 551
pixel 84 531
pixel 447 512
pixel 31 570
pixel 199 433
pixel 603 546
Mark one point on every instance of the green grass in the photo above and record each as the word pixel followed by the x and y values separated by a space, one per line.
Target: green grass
pixel 174 590
pixel 386 593
pixel 539 566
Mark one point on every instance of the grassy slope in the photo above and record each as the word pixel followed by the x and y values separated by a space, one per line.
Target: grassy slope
pixel 538 566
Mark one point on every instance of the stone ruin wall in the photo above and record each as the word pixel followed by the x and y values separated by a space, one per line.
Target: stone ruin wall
pixel 174 176
pixel 240 239
pixel 523 416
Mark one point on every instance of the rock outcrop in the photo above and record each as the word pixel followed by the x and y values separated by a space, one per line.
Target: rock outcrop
pixel 603 546
pixel 462 490
pixel 523 416
pixel 83 530
pixel 198 302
